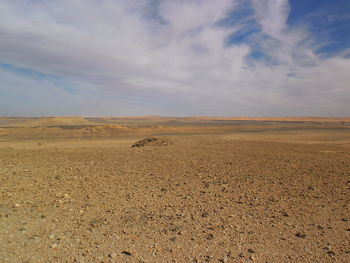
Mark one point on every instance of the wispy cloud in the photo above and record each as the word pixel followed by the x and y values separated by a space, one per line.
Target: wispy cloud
pixel 168 57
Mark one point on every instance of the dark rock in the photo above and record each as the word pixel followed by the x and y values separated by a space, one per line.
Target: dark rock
pixel 152 142
pixel 210 236
pixel 127 253
pixel 205 214
pixel 301 235
pixel 144 142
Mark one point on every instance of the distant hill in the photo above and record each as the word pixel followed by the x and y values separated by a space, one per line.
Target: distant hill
pixel 47 121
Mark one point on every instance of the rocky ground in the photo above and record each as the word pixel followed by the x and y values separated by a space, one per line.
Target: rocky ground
pixel 199 198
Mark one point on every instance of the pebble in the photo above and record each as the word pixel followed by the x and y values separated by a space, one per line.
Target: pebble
pixel 252 258
pixel 54 245
pixel 224 260
pixel 205 214
pixel 301 235
pixel 210 236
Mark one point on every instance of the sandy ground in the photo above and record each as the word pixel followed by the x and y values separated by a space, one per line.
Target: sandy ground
pixel 227 196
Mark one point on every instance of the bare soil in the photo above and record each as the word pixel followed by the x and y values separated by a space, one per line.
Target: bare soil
pixel 209 194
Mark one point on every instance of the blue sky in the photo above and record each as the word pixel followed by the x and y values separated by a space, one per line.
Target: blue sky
pixel 184 57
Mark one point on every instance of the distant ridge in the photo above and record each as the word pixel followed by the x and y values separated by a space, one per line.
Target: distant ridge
pixel 53 121
pixel 120 120
pixel 239 118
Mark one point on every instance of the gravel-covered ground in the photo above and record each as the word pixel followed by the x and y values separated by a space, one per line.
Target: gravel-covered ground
pixel 197 198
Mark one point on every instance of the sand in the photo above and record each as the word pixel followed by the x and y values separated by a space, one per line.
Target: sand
pixel 251 192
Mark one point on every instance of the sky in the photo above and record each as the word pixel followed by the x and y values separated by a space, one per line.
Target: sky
pixel 175 57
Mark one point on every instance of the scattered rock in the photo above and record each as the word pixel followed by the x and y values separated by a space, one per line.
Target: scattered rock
pixel 126 253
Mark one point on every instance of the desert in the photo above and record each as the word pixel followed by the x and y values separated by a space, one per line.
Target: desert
pixel 185 131
pixel 167 189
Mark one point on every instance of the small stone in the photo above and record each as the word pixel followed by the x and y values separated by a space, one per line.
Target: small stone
pixel 173 239
pixel 326 248
pixel 205 214
pixel 113 255
pixel 300 235
pixel 210 236
pixel 331 253
pixel 251 250
pixel 223 260
pixel 52 236
pixel 127 253
pixel 53 245
pixel 252 258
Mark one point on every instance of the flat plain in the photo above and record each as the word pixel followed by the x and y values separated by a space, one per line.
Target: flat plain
pixel 199 189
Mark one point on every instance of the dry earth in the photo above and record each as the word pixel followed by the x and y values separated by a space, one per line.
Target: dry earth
pixel 207 192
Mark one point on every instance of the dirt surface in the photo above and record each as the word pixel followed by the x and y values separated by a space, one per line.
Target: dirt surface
pixel 242 195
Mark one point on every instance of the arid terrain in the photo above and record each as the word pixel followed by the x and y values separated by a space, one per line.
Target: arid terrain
pixel 152 189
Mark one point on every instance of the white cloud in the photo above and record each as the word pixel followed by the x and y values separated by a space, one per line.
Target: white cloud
pixel 272 15
pixel 176 52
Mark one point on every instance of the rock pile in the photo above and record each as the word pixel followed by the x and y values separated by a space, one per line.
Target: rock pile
pixel 151 141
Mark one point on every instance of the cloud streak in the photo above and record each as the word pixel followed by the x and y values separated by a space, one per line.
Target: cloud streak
pixel 166 58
